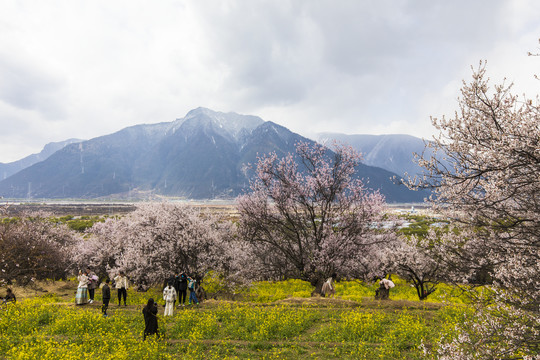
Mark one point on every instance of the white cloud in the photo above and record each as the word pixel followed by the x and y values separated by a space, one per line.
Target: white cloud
pixel 88 68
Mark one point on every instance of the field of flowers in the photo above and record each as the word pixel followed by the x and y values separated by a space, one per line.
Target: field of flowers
pixel 274 321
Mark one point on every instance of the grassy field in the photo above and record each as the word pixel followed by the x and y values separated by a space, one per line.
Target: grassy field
pixel 267 321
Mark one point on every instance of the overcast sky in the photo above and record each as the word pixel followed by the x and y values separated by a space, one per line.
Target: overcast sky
pixel 81 69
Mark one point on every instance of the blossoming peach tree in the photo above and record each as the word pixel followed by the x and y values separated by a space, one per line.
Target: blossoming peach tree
pixel 307 216
pixel 492 191
pixel 34 248
pixel 156 241
pixel 411 259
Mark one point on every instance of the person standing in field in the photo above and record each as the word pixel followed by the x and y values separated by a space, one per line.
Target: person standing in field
pixel 10 297
pixel 81 297
pixel 150 318
pixel 169 295
pixel 328 288
pixel 176 286
pixel 121 286
pixel 106 295
pixel 192 284
pixel 92 285
pixel 182 289
pixel 384 287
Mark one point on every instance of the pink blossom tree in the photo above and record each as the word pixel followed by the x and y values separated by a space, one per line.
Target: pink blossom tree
pixel 492 191
pixel 156 241
pixel 308 217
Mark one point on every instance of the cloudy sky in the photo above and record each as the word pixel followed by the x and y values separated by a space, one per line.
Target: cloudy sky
pixel 81 69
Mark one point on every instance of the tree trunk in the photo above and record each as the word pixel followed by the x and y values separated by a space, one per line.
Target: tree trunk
pixel 423 291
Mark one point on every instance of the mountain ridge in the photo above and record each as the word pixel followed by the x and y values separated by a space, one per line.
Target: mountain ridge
pixel 393 152
pixel 8 169
pixel 200 156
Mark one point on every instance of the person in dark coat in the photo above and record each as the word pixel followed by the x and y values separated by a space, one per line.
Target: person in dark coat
pixel 10 297
pixel 182 289
pixel 176 285
pixel 150 318
pixel 106 292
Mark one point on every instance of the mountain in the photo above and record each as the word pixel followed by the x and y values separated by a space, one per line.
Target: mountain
pixel 200 156
pixel 8 169
pixel 394 153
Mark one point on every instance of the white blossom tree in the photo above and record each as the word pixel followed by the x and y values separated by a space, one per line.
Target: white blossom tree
pixel 412 259
pixel 492 192
pixel 156 241
pixel 307 217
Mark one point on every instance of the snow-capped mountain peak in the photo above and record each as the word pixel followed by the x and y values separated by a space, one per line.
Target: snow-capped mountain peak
pixel 228 124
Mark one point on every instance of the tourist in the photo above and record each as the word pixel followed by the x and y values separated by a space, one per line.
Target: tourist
pixel 93 284
pixel 176 285
pixel 384 288
pixel 169 295
pixel 328 288
pixel 106 295
pixel 182 289
pixel 150 318
pixel 81 297
pixel 192 284
pixel 121 282
pixel 10 297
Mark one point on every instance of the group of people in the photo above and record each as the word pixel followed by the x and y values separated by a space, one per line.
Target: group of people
pixel 382 293
pixel 176 288
pixel 89 282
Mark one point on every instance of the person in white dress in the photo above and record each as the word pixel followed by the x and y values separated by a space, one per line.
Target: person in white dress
pixel 81 297
pixel 169 295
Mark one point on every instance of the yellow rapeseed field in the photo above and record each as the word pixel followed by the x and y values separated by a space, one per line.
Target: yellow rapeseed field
pixel 274 321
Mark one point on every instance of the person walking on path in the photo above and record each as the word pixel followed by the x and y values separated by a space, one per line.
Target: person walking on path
pixel 150 318
pixel 169 295
pixel 81 297
pixel 192 284
pixel 106 295
pixel 121 286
